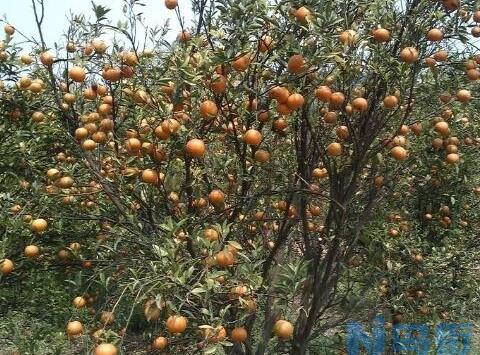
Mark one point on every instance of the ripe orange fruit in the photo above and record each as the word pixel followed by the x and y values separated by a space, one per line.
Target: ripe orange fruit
pixel 99 46
pixel 208 109
pixel 323 93
pixel 265 44
pixel 31 251
pixel 89 144
pixel 464 95
pixel 160 343
pixel 442 128
pixel 440 56
pixel 9 29
pixel 262 156
pixel 399 153
pixel 342 132
pixel 224 258
pixel 6 266
pixel 195 148
pixel 77 74
pixel 184 36
pixel 239 334
pixel 283 329
pixel 337 99
pixel 150 176
pixel 434 35
pixel 74 328
pixel 65 182
pixel 112 74
pixel 330 117
pixel 176 324
pixel 79 302
pixel 39 225
pixel 390 101
pixel 107 317
pixel 106 349
pixel 452 158
pixel 216 197
pixel 296 64
pixel 295 101
pixel 171 4
pixel 252 137
pixel 381 35
pixel 210 234
pixel 279 93
pixel 301 14
pixel 218 83
pixel 360 104
pixel 409 55
pixel 334 149
pixel 348 37
pixel 241 63
pixel 46 58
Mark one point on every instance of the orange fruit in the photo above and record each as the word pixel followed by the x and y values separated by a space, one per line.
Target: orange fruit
pixel 31 251
pixel 265 44
pixel 218 83
pixel 452 158
pixel 323 93
pixel 390 101
pixel 106 349
pixel 74 328
pixel 252 137
pixel 295 101
pixel 342 132
pixel 280 93
pixel 464 95
pixel 184 36
pixel 79 302
pixel 334 149
pixel 195 148
pixel 440 56
pixel 39 225
pixel 360 104
pixel 262 156
pixel 301 14
pixel 216 197
pixel 77 74
pixel 6 266
pixel 296 64
pixel 399 153
pixel 208 109
pixel 348 37
pixel 99 46
pixel 176 324
pixel 9 29
pixel 224 258
pixel 171 4
pixel 89 144
pixel 409 55
pixel 283 329
pixel 160 343
pixel 434 35
pixel 442 128
pixel 337 99
pixel 150 176
pixel 239 334
pixel 381 35
pixel 47 59
pixel 241 63
pixel 210 234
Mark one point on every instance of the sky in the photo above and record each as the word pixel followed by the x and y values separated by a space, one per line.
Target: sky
pixel 20 14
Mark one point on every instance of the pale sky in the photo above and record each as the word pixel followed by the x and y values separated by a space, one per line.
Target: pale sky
pixel 20 14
